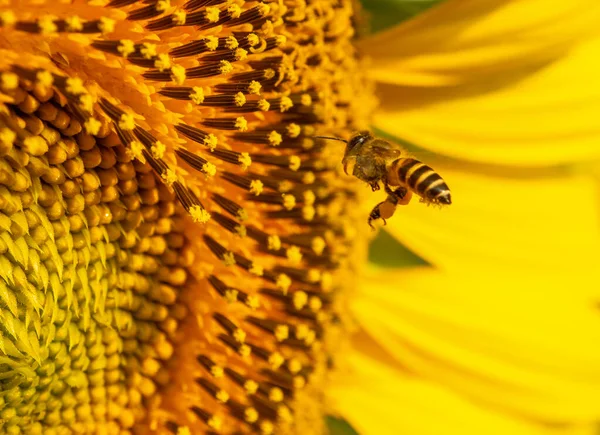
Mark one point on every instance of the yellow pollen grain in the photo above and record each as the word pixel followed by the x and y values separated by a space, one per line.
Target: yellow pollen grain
pixel 264 105
pixel 158 149
pixel 263 9
pixel 240 54
pixel 283 283
pixel 294 254
pixel 217 371
pixel 148 50
pixel 214 422
pixel 163 62
pixel 254 88
pixel 284 414
pixel 7 137
pixel 92 126
pixel 313 275
pixel 256 269
pixel 308 143
pixel 241 124
pixel 239 335
pixel 281 332
pixel 299 299
pixel 306 100
pixel 273 243
pixel 212 14
pixel 289 201
pixel 163 5
pixel 293 130
pixel 74 85
pixel 126 122
pixel 209 169
pixel 315 303
pixel 199 214
pixel 35 145
pixel 47 25
pixel 183 430
pixel 44 78
pixel 126 47
pixel 242 215
pixel 309 178
pixel 275 394
pixel 231 295
pixel 179 17
pixel 253 302
pixel 212 42
pixel 318 245
pixel 251 387
pixel 228 259
pixel 308 213
pixel 86 102
pixel 309 197
pixel 266 428
pixel 256 187
pixel 310 338
pixel 245 160
pixel 241 231
pixel 299 382
pixel 135 152
pixel 294 163
pixel 211 141
pixel 253 39
pixel 285 186
pixel 245 350
pixel 326 281
pixel 10 81
pixel 294 366
pixel 197 95
pixel 178 74
pixel 222 396
pixel 301 331
pixel 250 415
pixel 286 104
pixel 276 360
pixel 234 11
pixel 106 25
pixel 74 24
pixel 239 99
pixel 231 43
pixel 274 138
pixel 8 18
pixel 280 40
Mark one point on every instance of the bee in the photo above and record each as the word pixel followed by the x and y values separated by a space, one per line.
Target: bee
pixel 376 161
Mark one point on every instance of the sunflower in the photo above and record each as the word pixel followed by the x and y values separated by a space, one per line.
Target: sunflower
pixel 485 317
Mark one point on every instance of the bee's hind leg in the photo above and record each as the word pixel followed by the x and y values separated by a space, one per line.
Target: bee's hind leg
pixel 384 210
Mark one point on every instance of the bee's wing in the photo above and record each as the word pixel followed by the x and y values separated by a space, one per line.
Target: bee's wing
pixel 385 150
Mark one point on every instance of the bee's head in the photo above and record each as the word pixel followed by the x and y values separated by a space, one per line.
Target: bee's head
pixel 356 140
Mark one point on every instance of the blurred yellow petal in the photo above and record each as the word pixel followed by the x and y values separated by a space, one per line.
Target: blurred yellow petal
pixel 547 118
pixel 519 343
pixel 380 400
pixel 539 224
pixel 461 38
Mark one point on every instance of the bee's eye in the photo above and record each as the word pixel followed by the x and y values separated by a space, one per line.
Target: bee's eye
pixel 356 140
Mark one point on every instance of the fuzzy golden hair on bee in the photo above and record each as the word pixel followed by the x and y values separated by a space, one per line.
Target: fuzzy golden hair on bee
pixel 379 162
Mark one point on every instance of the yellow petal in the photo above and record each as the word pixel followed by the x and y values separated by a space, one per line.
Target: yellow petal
pixel 380 400
pixel 460 39
pixel 522 343
pixel 538 224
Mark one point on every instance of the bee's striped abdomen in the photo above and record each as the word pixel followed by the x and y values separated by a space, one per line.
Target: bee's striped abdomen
pixel 421 179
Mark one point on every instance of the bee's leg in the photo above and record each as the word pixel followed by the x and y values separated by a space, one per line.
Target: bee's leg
pixel 384 210
pixel 375 186
pixel 401 195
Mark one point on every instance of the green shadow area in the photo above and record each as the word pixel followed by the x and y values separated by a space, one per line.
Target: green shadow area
pixel 387 13
pixel 338 426
pixel 385 251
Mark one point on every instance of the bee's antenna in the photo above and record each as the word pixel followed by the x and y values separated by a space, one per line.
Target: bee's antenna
pixel 331 138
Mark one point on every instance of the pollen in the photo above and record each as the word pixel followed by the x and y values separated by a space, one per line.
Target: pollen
pixel 264 105
pixel 86 102
pixel 126 47
pixel 92 126
pixel 283 282
pixel 241 124
pixel 179 17
pixel 299 299
pixel 211 141
pixel 47 26
pixel 228 259
pixel 281 332
pixel 163 62
pixel 8 18
pixel 274 138
pixel 234 11
pixel 197 95
pixel 10 81
pixel 256 269
pixel 75 86
pixel 209 169
pixel 239 99
pixel 163 5
pixel 294 254
pixel 158 150
pixel 199 214
pixel 212 42
pixel 107 25
pixel 286 104
pixel 294 163
pixel 250 415
pixel 169 176
pixel 245 160
pixel 306 100
pixel 289 201
pixel 274 243
pixel 212 14
pixel 254 88
pixel 126 122
pixel 178 74
pixel 148 50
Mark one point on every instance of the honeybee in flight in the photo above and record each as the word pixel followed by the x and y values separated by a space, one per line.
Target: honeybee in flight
pixel 374 160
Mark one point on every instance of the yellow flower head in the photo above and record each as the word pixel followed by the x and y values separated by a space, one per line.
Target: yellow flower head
pixel 133 145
